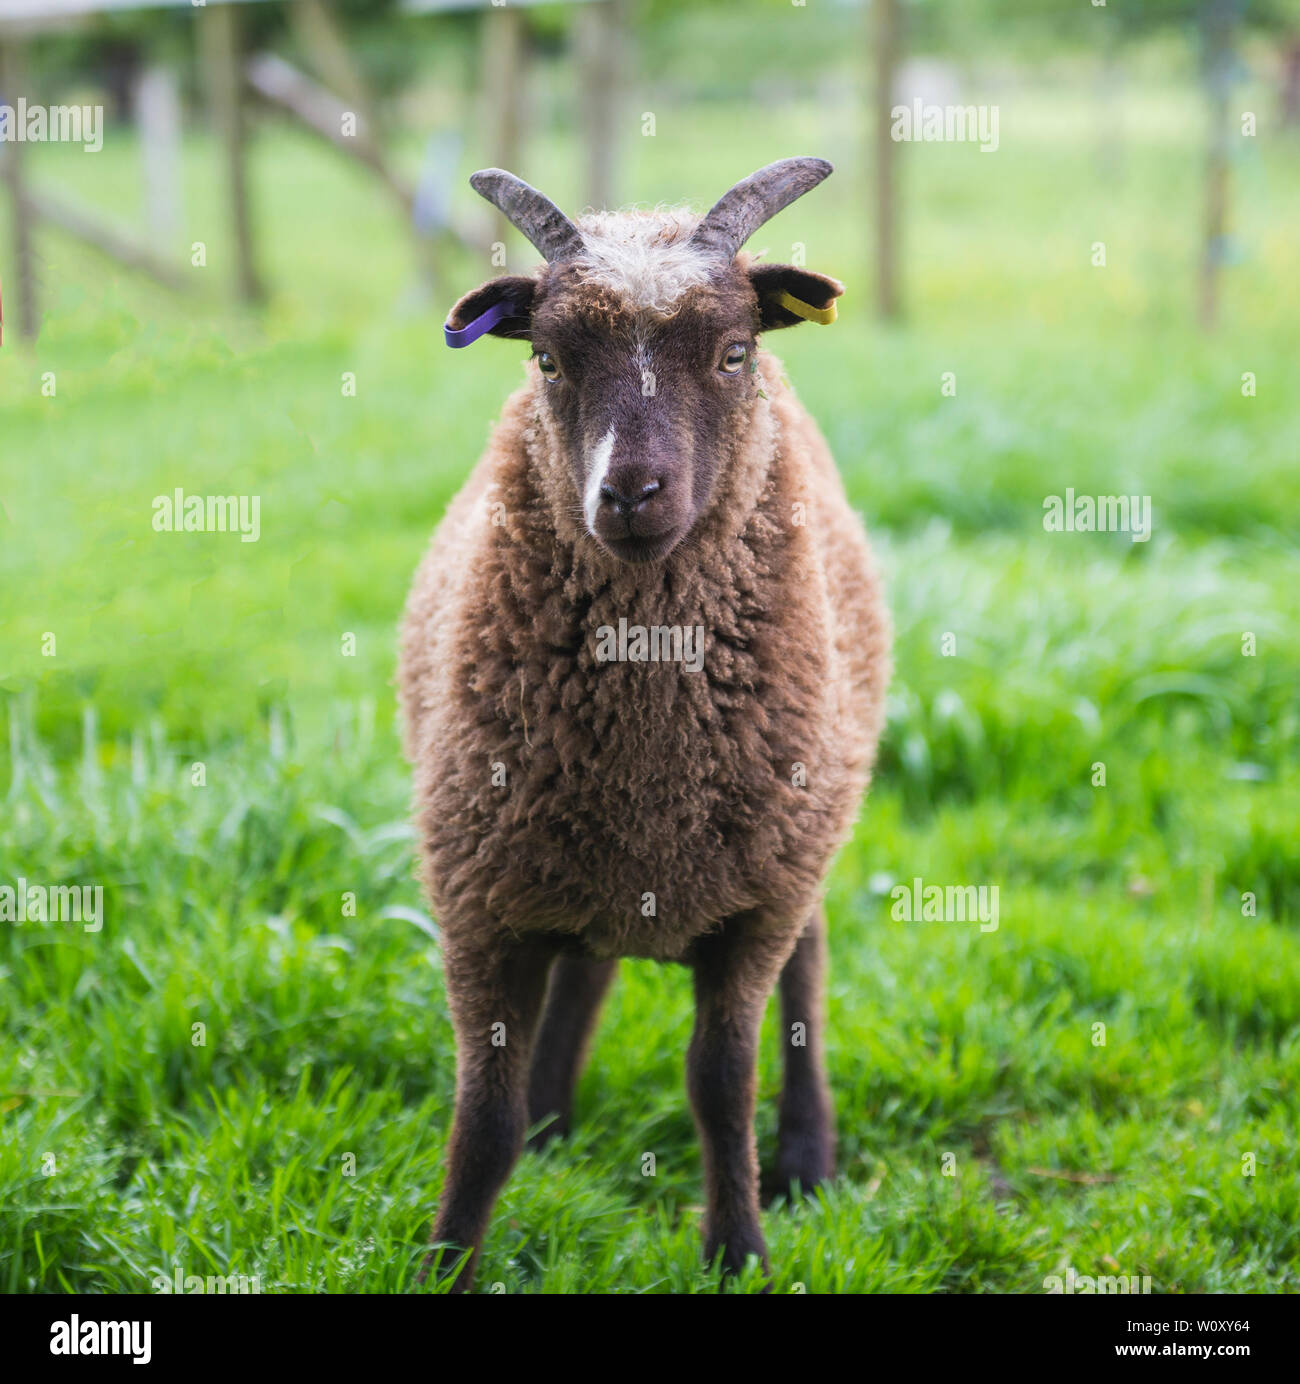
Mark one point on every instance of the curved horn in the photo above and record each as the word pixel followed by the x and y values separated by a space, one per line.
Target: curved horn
pixel 737 215
pixel 528 211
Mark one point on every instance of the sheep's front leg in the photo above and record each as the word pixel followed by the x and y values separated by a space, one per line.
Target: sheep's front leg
pixel 806 1129
pixel 578 986
pixel 734 973
pixel 495 999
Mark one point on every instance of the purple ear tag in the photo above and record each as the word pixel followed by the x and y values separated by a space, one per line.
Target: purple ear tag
pixel 483 323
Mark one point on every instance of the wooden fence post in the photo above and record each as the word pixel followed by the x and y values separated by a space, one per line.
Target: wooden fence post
pixel 600 43
pixel 886 166
pixel 12 81
pixel 1218 27
pixel 219 30
pixel 158 118
pixel 504 40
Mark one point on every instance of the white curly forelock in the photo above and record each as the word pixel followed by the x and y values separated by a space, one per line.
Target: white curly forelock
pixel 644 256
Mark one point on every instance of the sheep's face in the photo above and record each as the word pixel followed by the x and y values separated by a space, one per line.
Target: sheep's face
pixel 647 404
pixel 644 360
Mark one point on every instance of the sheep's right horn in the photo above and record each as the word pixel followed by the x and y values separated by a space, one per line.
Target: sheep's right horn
pixel 528 211
pixel 738 214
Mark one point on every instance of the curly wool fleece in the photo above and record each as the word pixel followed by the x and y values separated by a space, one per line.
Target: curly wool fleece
pixel 652 757
pixel 555 791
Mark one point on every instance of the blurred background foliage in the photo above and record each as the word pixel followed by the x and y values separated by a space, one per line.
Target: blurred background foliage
pixel 1123 904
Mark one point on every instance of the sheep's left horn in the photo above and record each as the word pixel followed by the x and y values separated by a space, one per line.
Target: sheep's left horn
pixel 748 205
pixel 530 212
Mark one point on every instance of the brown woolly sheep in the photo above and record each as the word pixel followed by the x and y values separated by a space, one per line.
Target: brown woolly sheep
pixel 643 670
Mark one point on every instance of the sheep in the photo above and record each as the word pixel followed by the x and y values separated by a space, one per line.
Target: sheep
pixel 577 800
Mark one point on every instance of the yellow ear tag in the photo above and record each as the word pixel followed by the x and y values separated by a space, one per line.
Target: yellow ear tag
pixel 822 316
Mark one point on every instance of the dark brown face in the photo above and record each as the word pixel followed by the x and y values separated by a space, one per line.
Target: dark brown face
pixel 643 401
pixel 646 374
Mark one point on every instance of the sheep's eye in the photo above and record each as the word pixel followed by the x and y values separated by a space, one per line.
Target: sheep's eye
pixel 732 359
pixel 548 365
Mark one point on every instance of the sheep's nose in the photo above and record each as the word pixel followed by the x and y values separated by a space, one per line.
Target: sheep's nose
pixel 628 503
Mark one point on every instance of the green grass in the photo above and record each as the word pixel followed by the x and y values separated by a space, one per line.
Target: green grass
pixel 326 1034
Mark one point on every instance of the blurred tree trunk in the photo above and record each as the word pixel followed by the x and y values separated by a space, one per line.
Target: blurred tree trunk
pixel 601 42
pixel 13 78
pixel 223 70
pixel 158 118
pixel 1290 102
pixel 505 38
pixel 885 14
pixel 1218 28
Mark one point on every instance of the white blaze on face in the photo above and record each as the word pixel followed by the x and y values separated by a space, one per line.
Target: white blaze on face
pixel 597 470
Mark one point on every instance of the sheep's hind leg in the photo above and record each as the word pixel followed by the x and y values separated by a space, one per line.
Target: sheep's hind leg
pixel 735 970
pixel 805 1149
pixel 495 1000
pixel 578 986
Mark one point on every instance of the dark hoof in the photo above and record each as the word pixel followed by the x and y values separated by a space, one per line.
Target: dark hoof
pixel 732 1254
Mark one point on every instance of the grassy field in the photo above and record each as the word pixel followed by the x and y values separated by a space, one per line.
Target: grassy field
pixel 130 1147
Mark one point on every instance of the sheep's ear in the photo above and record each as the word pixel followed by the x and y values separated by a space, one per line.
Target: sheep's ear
pixel 500 307
pixel 788 295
